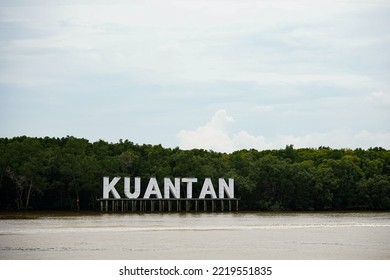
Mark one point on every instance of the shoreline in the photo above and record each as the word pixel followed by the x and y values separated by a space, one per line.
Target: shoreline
pixel 36 214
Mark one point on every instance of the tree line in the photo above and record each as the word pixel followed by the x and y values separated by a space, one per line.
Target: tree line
pixel 66 173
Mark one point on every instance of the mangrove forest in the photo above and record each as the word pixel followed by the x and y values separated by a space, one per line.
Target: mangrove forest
pixel 66 174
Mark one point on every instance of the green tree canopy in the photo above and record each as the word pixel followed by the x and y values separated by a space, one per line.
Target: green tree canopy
pixel 66 173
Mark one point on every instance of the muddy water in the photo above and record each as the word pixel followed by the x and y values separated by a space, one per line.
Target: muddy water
pixel 195 236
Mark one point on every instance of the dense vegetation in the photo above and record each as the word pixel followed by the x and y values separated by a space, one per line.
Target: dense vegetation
pixel 66 173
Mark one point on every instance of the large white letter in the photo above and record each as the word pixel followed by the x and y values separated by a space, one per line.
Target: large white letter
pixel 168 186
pixel 189 182
pixel 207 189
pixel 223 187
pixel 137 187
pixel 152 189
pixel 110 187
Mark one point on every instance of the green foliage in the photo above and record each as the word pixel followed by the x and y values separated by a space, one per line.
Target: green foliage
pixel 66 173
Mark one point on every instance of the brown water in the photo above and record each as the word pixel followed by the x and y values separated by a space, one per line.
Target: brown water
pixel 196 236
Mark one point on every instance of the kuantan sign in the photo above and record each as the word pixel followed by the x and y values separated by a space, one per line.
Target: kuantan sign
pixel 170 188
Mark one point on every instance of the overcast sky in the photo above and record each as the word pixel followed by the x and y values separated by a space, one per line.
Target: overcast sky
pixel 212 74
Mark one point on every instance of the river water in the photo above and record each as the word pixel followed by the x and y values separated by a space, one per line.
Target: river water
pixel 187 236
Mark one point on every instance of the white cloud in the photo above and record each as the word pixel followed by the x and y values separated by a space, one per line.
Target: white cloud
pixel 195 40
pixel 215 136
pixel 220 120
pixel 379 99
pixel 211 136
pixel 309 66
pixel 244 140
pixel 263 108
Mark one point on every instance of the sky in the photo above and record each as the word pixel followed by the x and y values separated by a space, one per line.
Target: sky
pixel 219 75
